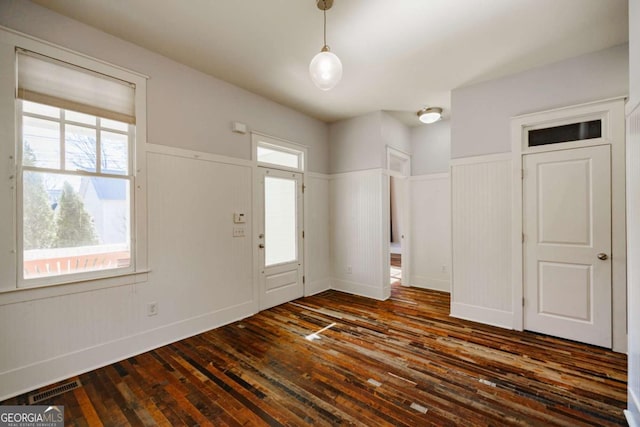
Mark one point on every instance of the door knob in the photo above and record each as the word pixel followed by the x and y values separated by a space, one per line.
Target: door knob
pixel 261 246
pixel 602 256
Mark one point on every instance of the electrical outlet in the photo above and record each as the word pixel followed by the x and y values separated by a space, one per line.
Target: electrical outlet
pixel 152 309
pixel 238 231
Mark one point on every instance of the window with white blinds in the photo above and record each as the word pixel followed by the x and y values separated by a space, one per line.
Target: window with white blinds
pixel 76 172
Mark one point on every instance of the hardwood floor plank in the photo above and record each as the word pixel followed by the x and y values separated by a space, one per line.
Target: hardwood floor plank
pixel 398 362
pixel 87 408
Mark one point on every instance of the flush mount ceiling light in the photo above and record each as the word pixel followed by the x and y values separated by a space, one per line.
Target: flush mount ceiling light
pixel 325 68
pixel 430 115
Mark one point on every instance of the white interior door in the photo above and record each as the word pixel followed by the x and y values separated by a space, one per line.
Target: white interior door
pixel 567 249
pixel 280 237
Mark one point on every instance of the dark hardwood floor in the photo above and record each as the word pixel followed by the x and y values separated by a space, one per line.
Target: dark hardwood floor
pixel 403 361
pixel 396 260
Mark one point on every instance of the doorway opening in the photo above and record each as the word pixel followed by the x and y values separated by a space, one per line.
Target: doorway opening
pixel 395 228
pixel 399 167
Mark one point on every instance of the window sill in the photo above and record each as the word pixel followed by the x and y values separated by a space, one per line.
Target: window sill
pixel 23 294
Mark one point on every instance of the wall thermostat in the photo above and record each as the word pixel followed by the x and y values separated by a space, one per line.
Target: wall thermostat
pixel 238 218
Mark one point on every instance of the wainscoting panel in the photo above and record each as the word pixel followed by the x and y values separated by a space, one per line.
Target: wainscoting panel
pixel 430 202
pixel 201 277
pixel 633 264
pixel 359 217
pixel 317 238
pixel 192 247
pixel 481 219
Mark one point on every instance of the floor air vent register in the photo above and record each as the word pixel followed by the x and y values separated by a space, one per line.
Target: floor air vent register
pixel 56 391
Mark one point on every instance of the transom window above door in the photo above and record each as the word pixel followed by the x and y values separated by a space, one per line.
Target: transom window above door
pixel 565 133
pixel 279 154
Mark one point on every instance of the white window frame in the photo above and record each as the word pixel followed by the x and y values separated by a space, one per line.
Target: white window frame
pixel 62 121
pixel 261 140
pixel 10 120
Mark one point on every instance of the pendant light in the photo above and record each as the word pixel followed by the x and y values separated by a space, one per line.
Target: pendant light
pixel 430 115
pixel 325 68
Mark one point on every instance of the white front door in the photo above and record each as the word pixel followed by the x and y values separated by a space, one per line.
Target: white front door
pixel 280 237
pixel 567 249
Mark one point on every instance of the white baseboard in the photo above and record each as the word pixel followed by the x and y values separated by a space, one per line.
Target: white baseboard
pixel 31 377
pixel 361 289
pixel 489 316
pixel 316 287
pixel 430 283
pixel 633 409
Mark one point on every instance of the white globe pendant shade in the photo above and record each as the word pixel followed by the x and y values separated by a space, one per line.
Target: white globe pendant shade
pixel 325 69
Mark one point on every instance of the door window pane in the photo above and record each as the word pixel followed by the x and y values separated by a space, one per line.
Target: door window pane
pixel 280 220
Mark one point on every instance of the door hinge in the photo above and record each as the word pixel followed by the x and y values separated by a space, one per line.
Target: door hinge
pixel 523 238
pixel 521 173
pixel 523 301
pixel 303 280
pixel 303 187
pixel 303 234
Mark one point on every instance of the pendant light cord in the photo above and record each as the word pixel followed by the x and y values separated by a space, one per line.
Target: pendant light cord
pixel 325 23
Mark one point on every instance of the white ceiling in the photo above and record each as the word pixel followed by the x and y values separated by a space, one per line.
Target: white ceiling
pixel 397 55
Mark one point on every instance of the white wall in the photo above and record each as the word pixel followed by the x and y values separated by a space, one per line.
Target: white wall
pixel 430 232
pixel 633 213
pixel 359 233
pixel 201 278
pixel 481 113
pixel 634 53
pixel 359 199
pixel 481 125
pixel 481 239
pixel 633 263
pixel 317 234
pixel 395 134
pixel 186 108
pixel 200 275
pixel 354 144
pixel 431 148
pixel 360 143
